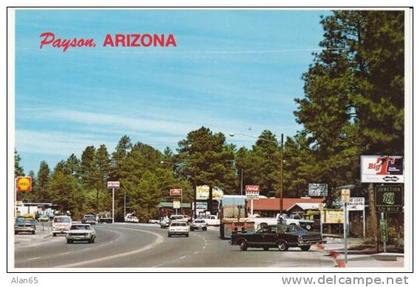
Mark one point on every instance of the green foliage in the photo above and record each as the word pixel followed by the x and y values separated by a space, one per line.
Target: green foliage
pixel 18 169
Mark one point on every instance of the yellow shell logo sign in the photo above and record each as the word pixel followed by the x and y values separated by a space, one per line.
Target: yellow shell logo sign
pixel 24 183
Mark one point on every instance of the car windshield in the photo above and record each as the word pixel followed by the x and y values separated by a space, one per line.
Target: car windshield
pixel 178 224
pixel 80 227
pixel 20 220
pixel 62 219
pixel 90 217
pixel 295 228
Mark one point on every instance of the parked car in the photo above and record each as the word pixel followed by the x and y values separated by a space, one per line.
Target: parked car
pixel 164 222
pixel 212 220
pixel 179 217
pixel 154 221
pixel 279 236
pixel 131 218
pixel 61 224
pixel 198 223
pixel 89 218
pixel 178 228
pixel 24 225
pixel 104 217
pixel 81 232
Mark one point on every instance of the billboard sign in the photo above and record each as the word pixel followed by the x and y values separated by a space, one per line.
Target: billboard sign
pixel 381 169
pixel 176 204
pixel 202 193
pixel 113 184
pixel 175 192
pixel 24 183
pixel 318 189
pixel 252 191
pixel 345 195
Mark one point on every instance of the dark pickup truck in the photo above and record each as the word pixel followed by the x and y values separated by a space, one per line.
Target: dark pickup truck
pixel 279 236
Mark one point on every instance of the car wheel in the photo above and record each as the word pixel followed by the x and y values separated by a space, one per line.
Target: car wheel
pixel 266 248
pixel 169 235
pixel 69 241
pixel 243 246
pixel 305 248
pixel 205 229
pixel 282 246
pixel 187 235
pixel 308 227
pixel 54 234
pixel 33 231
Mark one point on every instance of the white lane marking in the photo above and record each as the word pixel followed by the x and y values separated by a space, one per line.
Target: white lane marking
pixel 159 240
pixel 182 257
pixel 33 258
pixel 196 252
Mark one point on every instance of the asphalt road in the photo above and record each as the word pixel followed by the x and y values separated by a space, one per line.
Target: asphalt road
pixel 138 245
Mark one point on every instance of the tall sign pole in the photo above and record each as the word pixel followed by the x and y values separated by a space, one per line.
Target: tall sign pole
pixel 113 185
pixel 345 198
pixel 281 174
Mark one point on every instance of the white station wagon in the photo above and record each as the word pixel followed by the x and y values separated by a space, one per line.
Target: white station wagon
pixel 81 232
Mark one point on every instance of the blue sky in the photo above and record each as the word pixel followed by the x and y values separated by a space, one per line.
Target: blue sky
pixel 234 71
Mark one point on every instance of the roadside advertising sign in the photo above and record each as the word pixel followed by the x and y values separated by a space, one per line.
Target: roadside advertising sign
pixel 356 203
pixel 176 204
pixel 383 226
pixel 202 192
pixel 345 195
pixel 113 184
pixel 333 216
pixel 389 198
pixel 175 192
pixel 381 169
pixel 201 205
pixel 24 183
pixel 318 189
pixel 252 191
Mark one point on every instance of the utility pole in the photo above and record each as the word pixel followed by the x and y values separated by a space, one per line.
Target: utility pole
pixel 242 181
pixel 281 174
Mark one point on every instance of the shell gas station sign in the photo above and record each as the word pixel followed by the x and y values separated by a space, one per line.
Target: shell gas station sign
pixel 24 183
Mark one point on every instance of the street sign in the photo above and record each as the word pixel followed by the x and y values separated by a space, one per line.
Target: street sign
pixel 176 204
pixel 345 195
pixel 175 192
pixel 24 183
pixel 318 189
pixel 333 216
pixel 113 184
pixel 252 192
pixel 356 203
pixel 389 198
pixel 381 169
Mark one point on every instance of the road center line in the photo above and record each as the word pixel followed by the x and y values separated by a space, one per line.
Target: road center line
pixel 159 240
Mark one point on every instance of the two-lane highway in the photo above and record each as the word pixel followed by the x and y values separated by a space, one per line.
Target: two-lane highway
pixel 141 245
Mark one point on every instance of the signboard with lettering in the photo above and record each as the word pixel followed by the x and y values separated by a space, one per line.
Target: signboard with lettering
pixel 333 216
pixel 24 183
pixel 356 203
pixel 176 204
pixel 381 169
pixel 252 192
pixel 113 184
pixel 345 195
pixel 389 198
pixel 202 192
pixel 318 189
pixel 175 192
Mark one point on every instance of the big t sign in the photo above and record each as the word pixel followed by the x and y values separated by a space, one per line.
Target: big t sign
pixel 252 191
pixel 381 169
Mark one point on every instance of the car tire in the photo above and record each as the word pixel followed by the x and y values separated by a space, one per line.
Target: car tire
pixel 169 235
pixel 266 248
pixel 204 228
pixel 92 240
pixel 54 234
pixel 33 231
pixel 243 245
pixel 308 227
pixel 282 246
pixel 305 248
pixel 69 241
pixel 187 235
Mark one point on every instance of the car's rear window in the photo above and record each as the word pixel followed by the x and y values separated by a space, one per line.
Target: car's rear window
pixel 62 219
pixel 199 221
pixel 80 227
